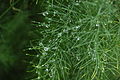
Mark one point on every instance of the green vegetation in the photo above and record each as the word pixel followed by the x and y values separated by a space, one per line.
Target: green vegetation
pixel 67 39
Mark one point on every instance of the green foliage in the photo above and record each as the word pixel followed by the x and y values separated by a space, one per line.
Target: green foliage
pixel 79 40
pixel 67 39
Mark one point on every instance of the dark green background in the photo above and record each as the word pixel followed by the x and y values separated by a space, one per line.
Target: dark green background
pixel 15 34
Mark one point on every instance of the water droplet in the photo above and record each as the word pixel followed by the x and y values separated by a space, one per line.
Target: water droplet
pixel 36 71
pixel 54 13
pixel 94 58
pixel 97 25
pixel 77 1
pixel 76 4
pixel 34 21
pixel 47 70
pixel 38 26
pixel 59 34
pixel 46 26
pixel 109 21
pixel 78 58
pixel 45 13
pixel 40 44
pixel 49 19
pixel 46 48
pixel 61 19
pixel 31 62
pixel 103 69
pixel 51 76
pixel 46 65
pixel 44 53
pixel 52 60
pixel 89 52
pixel 38 77
pixel 94 51
pixel 65 30
pixel 77 27
pixel 29 48
pixel 78 38
pixel 37 55
pixel 37 66
pixel 27 54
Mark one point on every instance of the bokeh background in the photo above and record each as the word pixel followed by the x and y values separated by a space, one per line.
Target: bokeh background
pixel 15 33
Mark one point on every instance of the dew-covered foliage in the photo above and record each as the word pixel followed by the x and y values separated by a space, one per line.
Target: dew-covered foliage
pixel 59 39
pixel 78 40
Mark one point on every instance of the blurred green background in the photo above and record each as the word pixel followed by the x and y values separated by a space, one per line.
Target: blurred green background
pixel 15 33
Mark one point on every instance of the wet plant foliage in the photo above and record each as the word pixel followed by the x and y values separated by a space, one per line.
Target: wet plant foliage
pixel 63 39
